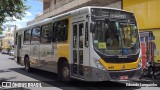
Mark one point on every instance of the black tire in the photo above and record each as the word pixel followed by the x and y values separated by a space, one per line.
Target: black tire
pixel 65 72
pixel 27 64
pixel 150 71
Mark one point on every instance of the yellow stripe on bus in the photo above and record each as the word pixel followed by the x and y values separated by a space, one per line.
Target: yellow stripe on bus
pixel 120 66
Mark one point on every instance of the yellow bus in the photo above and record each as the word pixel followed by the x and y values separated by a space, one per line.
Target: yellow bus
pixel 90 43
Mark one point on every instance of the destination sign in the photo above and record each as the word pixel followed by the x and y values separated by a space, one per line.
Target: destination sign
pixel 118 16
pixel 109 13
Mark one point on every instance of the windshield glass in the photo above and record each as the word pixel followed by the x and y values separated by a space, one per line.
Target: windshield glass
pixel 117 37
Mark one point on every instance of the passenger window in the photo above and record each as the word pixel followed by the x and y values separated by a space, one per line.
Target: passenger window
pixel 27 37
pixel 46 34
pixel 81 32
pixel 61 31
pixel 35 35
pixel 75 36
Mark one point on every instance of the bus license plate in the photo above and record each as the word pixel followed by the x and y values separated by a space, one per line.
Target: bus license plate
pixel 123 77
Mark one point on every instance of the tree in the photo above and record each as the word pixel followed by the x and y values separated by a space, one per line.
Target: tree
pixel 12 9
pixel 1 30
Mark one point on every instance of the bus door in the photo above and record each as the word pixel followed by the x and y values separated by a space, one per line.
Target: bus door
pixel 79 59
pixel 19 45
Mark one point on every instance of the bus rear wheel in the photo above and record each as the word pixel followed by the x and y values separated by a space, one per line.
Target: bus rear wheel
pixel 65 72
pixel 27 64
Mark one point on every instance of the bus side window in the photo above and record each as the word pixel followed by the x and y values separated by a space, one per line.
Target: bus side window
pixel 46 34
pixel 35 35
pixel 60 31
pixel 75 36
pixel 54 33
pixel 27 37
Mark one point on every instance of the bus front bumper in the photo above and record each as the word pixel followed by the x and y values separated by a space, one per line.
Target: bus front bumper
pixel 105 75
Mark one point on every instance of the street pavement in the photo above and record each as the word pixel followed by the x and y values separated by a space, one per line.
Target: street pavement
pixel 10 71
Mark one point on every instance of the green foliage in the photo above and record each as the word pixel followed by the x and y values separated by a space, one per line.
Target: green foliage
pixel 10 9
pixel 1 30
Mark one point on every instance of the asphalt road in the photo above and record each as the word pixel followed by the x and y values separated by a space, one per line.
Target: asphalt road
pixel 10 71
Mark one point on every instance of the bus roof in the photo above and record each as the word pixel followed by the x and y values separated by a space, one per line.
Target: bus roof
pixel 45 21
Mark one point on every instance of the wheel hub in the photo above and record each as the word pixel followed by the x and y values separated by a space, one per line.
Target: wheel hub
pixel 65 72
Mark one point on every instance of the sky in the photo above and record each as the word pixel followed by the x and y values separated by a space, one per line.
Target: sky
pixel 35 7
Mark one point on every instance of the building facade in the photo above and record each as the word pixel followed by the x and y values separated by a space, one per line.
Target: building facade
pixel 148 16
pixel 142 9
pixel 54 7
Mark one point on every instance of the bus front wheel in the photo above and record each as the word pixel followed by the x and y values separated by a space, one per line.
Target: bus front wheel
pixel 65 72
pixel 27 64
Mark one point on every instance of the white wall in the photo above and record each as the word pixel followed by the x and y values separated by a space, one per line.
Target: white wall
pixel 115 5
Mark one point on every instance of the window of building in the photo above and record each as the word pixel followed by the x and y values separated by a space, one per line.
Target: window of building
pixel 60 31
pixel 35 35
pixel 46 35
pixel 27 36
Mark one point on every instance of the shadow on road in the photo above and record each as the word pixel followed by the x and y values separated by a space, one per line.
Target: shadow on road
pixel 52 80
pixel 3 71
pixel 11 58
pixel 5 79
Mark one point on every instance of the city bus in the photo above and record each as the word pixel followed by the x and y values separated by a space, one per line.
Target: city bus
pixel 90 43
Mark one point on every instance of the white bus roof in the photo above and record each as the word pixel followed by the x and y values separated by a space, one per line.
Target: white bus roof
pixel 45 21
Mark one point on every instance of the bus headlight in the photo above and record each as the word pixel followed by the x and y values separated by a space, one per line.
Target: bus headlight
pixel 99 65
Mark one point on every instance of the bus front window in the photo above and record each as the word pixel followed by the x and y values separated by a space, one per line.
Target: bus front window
pixel 129 34
pixel 111 38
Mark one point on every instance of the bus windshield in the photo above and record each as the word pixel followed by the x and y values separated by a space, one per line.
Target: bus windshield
pixel 115 32
pixel 115 37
